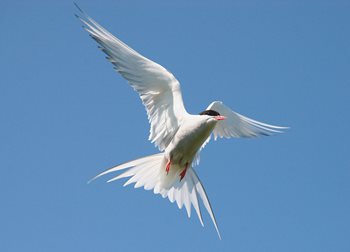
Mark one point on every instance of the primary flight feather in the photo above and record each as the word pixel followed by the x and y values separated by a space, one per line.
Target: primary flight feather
pixel 179 135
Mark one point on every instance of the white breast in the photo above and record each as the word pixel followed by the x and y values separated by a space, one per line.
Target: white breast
pixel 189 138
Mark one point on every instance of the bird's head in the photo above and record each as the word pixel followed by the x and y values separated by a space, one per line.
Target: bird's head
pixel 212 115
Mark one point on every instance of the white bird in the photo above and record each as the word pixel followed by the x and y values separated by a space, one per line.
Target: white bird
pixel 180 136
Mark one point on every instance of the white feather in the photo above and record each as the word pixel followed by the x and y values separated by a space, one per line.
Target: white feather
pixel 146 172
pixel 159 90
pixel 236 125
pixel 180 135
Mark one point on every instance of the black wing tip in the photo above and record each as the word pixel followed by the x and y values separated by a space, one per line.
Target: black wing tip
pixel 77 6
pixel 82 15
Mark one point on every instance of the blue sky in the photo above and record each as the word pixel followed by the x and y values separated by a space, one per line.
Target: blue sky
pixel 66 116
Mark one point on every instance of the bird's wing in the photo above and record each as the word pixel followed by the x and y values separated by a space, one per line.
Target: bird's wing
pixel 158 88
pixel 236 125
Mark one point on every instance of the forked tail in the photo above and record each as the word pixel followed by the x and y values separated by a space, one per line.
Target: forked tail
pixel 149 173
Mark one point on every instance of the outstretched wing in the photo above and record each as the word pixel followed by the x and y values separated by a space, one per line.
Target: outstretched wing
pixel 159 90
pixel 237 125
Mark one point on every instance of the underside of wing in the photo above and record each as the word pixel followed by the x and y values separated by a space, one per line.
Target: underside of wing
pixel 237 125
pixel 159 90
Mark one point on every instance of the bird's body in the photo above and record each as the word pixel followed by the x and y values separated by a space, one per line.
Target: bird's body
pixel 184 146
pixel 189 138
pixel 179 135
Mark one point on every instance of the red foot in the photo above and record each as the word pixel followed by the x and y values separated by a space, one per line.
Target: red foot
pixel 167 167
pixel 183 173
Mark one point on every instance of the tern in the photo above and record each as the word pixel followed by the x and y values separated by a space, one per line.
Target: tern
pixel 180 136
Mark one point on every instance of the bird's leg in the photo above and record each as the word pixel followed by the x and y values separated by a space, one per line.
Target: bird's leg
pixel 167 167
pixel 183 173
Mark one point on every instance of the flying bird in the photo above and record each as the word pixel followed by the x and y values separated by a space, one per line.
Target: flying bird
pixel 180 136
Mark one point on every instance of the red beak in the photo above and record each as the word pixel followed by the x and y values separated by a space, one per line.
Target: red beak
pixel 219 118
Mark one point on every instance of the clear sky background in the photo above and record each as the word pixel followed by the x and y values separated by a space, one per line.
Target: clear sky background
pixel 66 116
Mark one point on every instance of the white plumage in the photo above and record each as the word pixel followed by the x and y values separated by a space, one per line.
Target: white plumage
pixel 179 135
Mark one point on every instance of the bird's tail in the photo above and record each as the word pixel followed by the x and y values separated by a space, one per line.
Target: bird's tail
pixel 149 172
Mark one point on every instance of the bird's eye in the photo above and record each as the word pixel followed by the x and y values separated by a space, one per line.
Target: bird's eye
pixel 210 113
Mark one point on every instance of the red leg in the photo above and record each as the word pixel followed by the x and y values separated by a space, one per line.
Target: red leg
pixel 167 167
pixel 183 173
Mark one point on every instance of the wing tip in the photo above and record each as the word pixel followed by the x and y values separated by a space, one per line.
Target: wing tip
pixel 78 7
pixel 92 179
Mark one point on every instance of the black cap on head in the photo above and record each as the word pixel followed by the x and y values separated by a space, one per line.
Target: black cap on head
pixel 209 113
